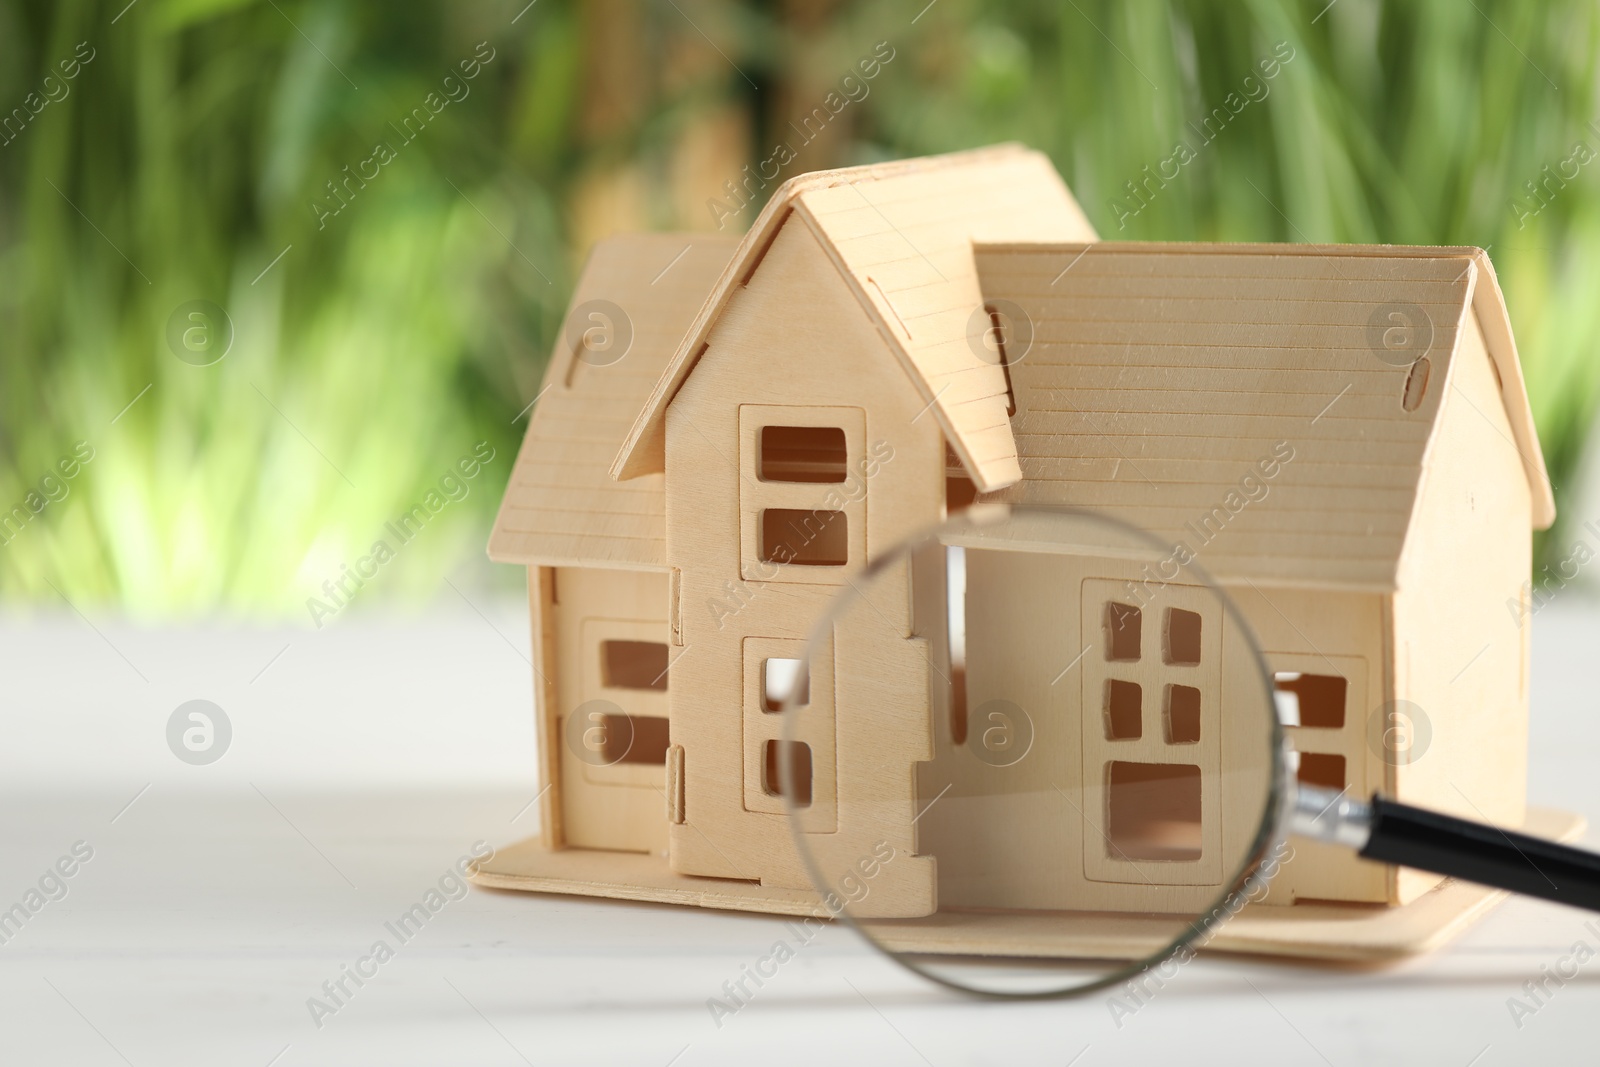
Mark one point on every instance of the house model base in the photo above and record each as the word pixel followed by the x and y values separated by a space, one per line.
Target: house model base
pixel 1332 931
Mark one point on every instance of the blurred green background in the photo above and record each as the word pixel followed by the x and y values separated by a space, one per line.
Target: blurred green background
pixel 188 158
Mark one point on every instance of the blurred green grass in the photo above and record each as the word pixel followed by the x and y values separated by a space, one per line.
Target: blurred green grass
pixel 393 336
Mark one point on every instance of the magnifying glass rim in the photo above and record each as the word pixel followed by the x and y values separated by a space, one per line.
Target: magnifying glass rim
pixel 1268 832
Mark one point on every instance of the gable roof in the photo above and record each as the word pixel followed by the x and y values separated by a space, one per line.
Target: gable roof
pixel 1160 374
pixel 561 506
pixel 901 235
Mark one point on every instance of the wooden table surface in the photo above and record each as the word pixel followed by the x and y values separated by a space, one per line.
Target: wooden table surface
pixel 367 758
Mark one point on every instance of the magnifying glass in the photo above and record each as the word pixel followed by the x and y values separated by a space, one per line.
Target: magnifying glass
pixel 1037 751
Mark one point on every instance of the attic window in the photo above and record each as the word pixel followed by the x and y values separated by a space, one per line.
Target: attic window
pixel 802 454
pixel 1416 386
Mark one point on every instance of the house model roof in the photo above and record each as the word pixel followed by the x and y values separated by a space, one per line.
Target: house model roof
pixel 562 506
pixel 902 234
pixel 1158 375
pixel 1152 379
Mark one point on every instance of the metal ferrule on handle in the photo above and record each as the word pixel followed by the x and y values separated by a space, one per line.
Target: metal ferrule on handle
pixel 1390 832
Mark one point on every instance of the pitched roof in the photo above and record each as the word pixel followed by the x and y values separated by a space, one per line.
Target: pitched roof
pixel 561 506
pixel 901 234
pixel 1159 374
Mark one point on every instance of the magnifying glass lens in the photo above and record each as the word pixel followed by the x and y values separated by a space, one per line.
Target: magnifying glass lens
pixel 1029 753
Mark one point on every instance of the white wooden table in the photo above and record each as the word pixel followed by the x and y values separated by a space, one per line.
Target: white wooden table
pixel 368 757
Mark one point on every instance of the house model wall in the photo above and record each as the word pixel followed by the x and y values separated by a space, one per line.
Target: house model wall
pixel 1340 432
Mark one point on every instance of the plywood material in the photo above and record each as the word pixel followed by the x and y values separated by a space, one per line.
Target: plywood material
pixel 605 799
pixel 546 698
pixel 1031 827
pixel 944 316
pixel 1232 397
pixel 1327 872
pixel 795 349
pixel 901 236
pixel 1461 657
pixel 561 506
pixel 1330 932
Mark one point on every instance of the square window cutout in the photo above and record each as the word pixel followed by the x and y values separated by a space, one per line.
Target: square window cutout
pixel 1314 700
pixel 1321 769
pixel 1122 622
pixel 780 678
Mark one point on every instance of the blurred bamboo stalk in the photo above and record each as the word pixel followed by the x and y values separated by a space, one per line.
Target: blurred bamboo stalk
pixel 374 347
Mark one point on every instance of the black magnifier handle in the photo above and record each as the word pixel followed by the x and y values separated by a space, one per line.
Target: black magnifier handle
pixel 1390 832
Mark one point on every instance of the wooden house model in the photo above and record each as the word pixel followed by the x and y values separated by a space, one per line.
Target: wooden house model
pixel 728 430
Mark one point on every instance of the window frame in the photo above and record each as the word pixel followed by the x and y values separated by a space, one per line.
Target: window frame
pixel 1153 675
pixel 1349 740
pixel 816 727
pixel 593 633
pixel 757 496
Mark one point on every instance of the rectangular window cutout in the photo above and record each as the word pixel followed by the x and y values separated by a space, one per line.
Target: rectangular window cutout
pixel 802 454
pixel 1314 700
pixel 805 538
pixel 1122 632
pixel 1153 811
pixel 1183 714
pixel 633 665
pixel 1182 638
pixel 633 739
pixel 1317 768
pixel 799 755
pixel 1123 719
pixel 780 678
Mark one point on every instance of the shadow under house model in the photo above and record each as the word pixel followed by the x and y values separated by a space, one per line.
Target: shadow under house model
pixel 790 406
